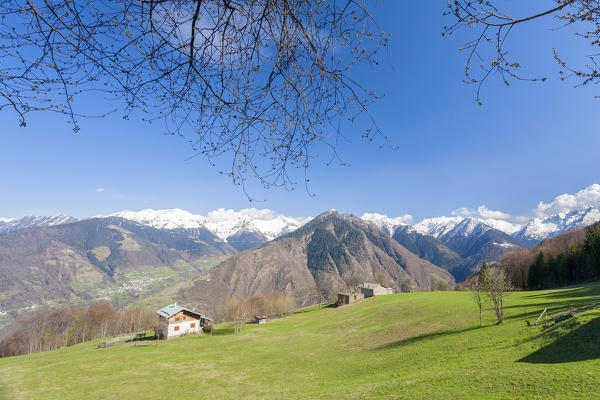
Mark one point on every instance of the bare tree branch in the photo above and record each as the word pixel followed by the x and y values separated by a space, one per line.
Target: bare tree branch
pixel 489 47
pixel 262 83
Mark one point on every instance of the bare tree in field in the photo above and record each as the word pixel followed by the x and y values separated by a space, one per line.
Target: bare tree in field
pixel 478 292
pixel 405 284
pixel 238 312
pixel 323 289
pixel 493 22
pixel 498 286
pixel 259 81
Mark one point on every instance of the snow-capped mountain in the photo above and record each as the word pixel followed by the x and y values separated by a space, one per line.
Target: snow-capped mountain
pixel 529 234
pixel 386 223
pixel 437 227
pixel 30 221
pixel 538 229
pixel 164 219
pixel 458 244
pixel 223 223
pixel 440 226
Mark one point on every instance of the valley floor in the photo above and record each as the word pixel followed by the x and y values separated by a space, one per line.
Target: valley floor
pixel 413 345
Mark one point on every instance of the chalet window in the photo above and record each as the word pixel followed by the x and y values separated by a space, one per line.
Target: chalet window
pixel 176 328
pixel 177 319
pixel 192 325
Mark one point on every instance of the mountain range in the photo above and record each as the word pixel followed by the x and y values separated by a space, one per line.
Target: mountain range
pixel 126 256
pixel 320 257
pixel 247 228
pixel 29 221
pixel 100 258
pixel 457 244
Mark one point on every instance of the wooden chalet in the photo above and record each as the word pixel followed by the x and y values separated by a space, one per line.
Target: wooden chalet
pixel 175 321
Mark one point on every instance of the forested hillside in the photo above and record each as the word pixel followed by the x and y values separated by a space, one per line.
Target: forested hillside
pixel 578 264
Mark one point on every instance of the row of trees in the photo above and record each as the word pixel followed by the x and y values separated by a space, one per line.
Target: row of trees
pixel 68 325
pixel 241 310
pixel 575 265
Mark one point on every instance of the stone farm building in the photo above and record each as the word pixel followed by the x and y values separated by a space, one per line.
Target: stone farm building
pixel 374 289
pixel 175 321
pixel 348 298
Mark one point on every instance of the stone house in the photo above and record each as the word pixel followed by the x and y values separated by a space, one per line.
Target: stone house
pixel 348 298
pixel 375 289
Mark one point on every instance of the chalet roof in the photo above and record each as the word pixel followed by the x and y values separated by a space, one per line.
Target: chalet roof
pixel 173 309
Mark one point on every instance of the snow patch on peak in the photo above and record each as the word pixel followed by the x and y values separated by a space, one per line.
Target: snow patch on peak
pixel 271 224
pixel 30 221
pixel 505 245
pixel 163 219
pixel 441 226
pixel 539 228
pixel 385 223
pixel 438 226
pixel 222 222
pixel 501 225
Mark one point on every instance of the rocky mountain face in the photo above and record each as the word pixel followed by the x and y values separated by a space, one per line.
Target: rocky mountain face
pixel 476 242
pixel 427 247
pixel 108 258
pixel 323 254
pixel 456 244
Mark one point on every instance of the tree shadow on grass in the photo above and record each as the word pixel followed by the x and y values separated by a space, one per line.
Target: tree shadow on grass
pixel 142 339
pixel 580 293
pixel 425 336
pixel 223 330
pixel 313 308
pixel 581 344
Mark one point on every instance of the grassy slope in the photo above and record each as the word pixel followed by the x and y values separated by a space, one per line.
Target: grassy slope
pixel 416 345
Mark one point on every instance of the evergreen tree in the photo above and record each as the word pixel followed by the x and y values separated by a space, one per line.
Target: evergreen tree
pixel 484 273
pixel 535 276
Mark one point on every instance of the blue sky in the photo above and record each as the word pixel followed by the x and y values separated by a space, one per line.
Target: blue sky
pixel 527 143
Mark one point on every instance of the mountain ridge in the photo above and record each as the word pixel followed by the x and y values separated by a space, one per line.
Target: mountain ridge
pixel 321 255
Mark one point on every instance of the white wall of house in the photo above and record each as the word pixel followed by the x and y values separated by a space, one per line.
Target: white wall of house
pixel 379 290
pixel 185 327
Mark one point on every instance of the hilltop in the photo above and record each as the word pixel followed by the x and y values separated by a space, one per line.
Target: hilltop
pixel 407 345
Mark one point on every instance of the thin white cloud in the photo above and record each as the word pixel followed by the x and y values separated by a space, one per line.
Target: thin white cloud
pixel 463 212
pixel 375 217
pixel 481 212
pixel 222 214
pixel 487 213
pixel 100 190
pixel 585 198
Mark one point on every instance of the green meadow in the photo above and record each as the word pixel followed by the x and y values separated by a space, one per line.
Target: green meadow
pixel 409 345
